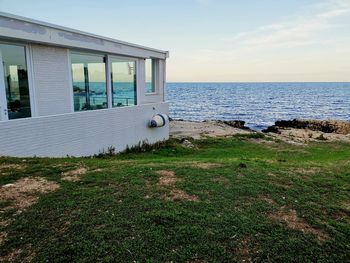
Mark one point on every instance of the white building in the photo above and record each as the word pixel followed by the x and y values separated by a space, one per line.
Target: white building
pixel 65 92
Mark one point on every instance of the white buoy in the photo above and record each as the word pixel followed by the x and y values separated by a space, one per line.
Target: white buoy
pixel 158 120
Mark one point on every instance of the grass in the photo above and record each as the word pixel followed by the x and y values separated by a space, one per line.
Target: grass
pixel 118 211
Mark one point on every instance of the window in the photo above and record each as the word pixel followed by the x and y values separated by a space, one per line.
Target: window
pixel 16 81
pixel 89 81
pixel 150 71
pixel 123 82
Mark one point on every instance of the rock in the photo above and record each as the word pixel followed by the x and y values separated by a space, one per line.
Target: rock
pixel 235 124
pixel 8 185
pixel 329 126
pixel 187 144
pixel 273 129
pixel 321 138
pixel 242 165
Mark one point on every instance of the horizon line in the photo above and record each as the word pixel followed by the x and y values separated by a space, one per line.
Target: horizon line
pixel 257 81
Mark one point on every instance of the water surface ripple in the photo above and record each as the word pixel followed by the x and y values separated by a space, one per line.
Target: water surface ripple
pixel 259 104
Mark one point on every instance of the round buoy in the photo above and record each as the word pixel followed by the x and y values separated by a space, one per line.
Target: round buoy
pixel 158 120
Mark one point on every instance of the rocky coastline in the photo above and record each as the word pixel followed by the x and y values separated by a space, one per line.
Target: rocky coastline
pixel 294 131
pixel 325 126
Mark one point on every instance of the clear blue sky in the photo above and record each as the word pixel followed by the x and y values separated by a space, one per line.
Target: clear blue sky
pixel 218 40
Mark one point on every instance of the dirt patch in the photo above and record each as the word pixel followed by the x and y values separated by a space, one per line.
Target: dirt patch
pixel 341 216
pixel 206 165
pixel 346 205
pixel 291 219
pixel 74 175
pixel 178 194
pixel 271 174
pixel 262 141
pixel 248 201
pixel 167 178
pixel 267 199
pixel 16 167
pixel 71 178
pixel 221 180
pixel 21 194
pixel 16 255
pixel 306 171
pixel 196 261
pixel 61 165
pixel 3 236
pixel 5 222
pixel 198 130
pixel 246 251
pixel 97 170
pixel 192 164
pixel 284 186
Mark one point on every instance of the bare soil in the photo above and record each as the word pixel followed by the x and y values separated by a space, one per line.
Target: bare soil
pixel 169 180
pixel 221 180
pixel 206 166
pixel 246 251
pixel 178 194
pixel 22 193
pixel 291 219
pixel 200 130
pixel 17 254
pixel 17 167
pixel 74 175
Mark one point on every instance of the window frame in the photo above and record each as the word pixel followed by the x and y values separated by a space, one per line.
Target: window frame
pixel 30 77
pixel 155 68
pixel 91 53
pixel 108 65
pixel 109 73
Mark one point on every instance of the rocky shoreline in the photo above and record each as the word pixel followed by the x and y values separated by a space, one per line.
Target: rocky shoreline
pixel 325 126
pixel 290 131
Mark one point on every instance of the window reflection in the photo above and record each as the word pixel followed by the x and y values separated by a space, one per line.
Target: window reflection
pixel 89 81
pixel 123 78
pixel 150 75
pixel 16 81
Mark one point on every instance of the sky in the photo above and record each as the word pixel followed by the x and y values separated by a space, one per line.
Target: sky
pixel 218 40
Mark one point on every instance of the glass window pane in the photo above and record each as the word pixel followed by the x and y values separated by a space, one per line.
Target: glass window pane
pixel 123 77
pixel 150 72
pixel 89 82
pixel 16 81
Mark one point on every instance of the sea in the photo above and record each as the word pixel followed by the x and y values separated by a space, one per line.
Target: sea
pixel 259 104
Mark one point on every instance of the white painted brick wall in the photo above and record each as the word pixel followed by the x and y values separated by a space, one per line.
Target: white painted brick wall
pixel 52 83
pixel 81 133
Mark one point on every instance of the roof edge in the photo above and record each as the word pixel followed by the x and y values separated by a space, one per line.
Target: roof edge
pixel 71 30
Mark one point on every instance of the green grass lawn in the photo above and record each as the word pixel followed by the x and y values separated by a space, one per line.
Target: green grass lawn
pixel 235 199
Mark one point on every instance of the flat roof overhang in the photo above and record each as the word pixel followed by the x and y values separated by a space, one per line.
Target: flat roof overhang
pixel 27 30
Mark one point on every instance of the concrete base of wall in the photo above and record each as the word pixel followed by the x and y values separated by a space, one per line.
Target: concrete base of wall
pixel 82 133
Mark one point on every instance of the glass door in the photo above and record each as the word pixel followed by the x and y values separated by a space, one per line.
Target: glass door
pixel 14 86
pixel 3 101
